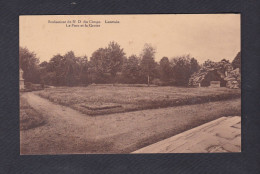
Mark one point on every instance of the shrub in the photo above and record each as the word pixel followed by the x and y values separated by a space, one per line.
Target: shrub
pixel 28 85
pixel 157 82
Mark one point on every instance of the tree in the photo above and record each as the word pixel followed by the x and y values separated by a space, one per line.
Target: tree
pixel 28 62
pixel 236 63
pixel 147 62
pixel 64 70
pixel 131 70
pixel 70 69
pixel 55 71
pixel 106 61
pixel 43 64
pixel 84 70
pixel 194 65
pixel 99 65
pixel 208 63
pixel 165 69
pixel 181 69
pixel 115 58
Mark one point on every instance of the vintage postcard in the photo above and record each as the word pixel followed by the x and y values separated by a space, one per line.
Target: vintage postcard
pixel 95 84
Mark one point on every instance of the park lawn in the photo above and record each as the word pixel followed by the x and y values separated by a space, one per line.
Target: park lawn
pixel 29 117
pixel 107 99
pixel 71 132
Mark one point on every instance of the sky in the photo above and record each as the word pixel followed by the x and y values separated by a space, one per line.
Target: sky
pixel 203 36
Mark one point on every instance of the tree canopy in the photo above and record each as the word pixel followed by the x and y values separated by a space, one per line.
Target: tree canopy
pixel 131 70
pixel 106 61
pixel 28 62
pixel 110 65
pixel 183 67
pixel 236 63
pixel 165 69
pixel 148 64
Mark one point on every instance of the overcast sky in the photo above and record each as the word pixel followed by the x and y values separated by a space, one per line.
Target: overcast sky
pixel 213 36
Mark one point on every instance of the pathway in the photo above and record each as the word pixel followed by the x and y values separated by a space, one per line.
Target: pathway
pixel 221 135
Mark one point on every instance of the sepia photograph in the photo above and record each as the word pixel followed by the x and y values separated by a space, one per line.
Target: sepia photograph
pixel 130 84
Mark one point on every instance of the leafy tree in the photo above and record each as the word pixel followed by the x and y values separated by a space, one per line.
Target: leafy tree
pixel 70 69
pixel 208 63
pixel 165 69
pixel 106 61
pixel 55 71
pixel 84 70
pixel 131 70
pixel 99 65
pixel 236 63
pixel 115 56
pixel 181 69
pixel 66 70
pixel 225 60
pixel 55 63
pixel 43 64
pixel 148 64
pixel 28 62
pixel 194 65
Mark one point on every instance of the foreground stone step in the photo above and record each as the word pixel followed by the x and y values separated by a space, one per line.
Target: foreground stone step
pixel 221 135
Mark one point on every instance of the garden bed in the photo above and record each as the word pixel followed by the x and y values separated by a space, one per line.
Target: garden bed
pixel 100 100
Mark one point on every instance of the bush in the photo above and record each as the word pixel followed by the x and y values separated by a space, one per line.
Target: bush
pixel 28 85
pixel 157 82
pixel 33 87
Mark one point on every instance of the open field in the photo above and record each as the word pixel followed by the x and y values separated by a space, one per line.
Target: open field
pixel 68 131
pixel 29 117
pixel 107 99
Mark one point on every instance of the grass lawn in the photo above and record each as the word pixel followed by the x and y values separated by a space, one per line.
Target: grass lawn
pixel 107 99
pixel 29 118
